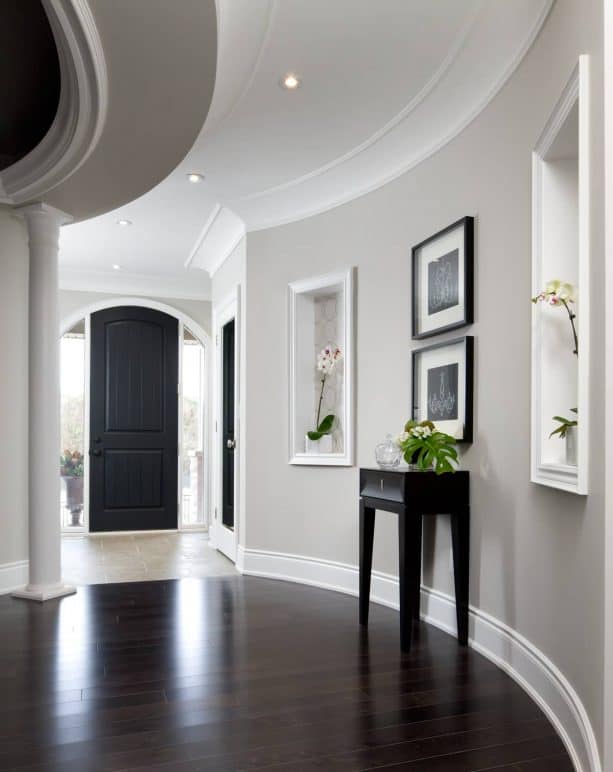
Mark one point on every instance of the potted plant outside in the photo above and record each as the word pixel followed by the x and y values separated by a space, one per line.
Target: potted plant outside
pixel 71 471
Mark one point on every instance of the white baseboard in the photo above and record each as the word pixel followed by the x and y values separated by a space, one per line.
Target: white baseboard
pixel 13 576
pixel 509 650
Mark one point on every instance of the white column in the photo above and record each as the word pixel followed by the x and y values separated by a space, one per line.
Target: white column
pixel 44 405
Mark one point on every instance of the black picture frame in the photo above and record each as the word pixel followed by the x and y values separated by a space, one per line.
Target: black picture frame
pixel 467 224
pixel 468 343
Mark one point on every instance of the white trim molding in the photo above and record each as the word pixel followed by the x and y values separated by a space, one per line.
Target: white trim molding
pixel 545 252
pixel 301 292
pixel 13 576
pixel 81 112
pixel 491 637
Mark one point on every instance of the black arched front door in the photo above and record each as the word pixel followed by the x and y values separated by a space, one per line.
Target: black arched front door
pixel 133 420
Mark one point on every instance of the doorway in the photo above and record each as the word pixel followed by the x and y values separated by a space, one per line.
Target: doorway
pixel 226 451
pixel 190 369
pixel 133 420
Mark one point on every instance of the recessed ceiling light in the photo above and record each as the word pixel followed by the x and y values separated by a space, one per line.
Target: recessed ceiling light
pixel 116 267
pixel 195 177
pixel 290 81
pixel 124 223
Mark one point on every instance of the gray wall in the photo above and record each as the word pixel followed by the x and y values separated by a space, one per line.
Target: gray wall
pixel 537 553
pixel 13 389
pixel 74 300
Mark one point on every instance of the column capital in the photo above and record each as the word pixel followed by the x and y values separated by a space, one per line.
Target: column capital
pixel 39 209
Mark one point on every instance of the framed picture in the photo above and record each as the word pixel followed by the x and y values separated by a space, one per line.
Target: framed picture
pixel 442 268
pixel 442 386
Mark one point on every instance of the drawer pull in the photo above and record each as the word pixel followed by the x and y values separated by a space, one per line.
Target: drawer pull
pixel 381 483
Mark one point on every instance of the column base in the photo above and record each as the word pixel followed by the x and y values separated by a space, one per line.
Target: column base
pixel 42 592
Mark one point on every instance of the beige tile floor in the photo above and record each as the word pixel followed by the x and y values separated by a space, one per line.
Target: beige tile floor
pixel 98 559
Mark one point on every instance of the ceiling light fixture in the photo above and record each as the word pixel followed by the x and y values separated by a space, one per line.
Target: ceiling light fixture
pixel 116 267
pixel 124 223
pixel 290 82
pixel 195 177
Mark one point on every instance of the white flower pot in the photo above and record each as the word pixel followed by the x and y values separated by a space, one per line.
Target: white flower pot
pixel 318 447
pixel 571 446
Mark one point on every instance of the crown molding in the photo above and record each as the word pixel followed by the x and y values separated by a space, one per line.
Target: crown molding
pixel 81 112
pixel 259 210
pixel 222 233
pixel 123 282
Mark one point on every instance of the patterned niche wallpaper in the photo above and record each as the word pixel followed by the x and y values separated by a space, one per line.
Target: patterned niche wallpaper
pixel 327 334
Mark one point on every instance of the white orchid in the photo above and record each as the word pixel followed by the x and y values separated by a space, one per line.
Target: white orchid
pixel 562 290
pixel 560 294
pixel 327 359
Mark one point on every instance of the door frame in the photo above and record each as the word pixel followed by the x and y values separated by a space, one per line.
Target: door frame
pixel 184 320
pixel 222 538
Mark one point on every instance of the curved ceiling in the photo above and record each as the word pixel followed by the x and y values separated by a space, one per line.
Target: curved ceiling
pixel 383 85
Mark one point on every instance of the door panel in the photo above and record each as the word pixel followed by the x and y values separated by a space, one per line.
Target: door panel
pixel 228 411
pixel 133 420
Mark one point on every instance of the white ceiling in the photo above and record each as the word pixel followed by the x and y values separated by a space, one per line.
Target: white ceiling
pixel 384 84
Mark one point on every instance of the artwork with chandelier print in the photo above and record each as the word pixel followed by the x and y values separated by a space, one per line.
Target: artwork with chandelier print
pixel 443 386
pixel 442 271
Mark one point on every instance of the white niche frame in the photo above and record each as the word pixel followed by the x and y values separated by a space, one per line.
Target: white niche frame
pixel 302 362
pixel 560 209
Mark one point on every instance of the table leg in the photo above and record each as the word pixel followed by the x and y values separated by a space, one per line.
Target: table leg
pixel 404 580
pixel 415 567
pixel 367 533
pixel 460 537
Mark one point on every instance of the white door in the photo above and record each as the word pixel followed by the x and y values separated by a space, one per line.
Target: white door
pixel 226 322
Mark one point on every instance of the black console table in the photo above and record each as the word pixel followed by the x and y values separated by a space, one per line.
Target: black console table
pixel 411 494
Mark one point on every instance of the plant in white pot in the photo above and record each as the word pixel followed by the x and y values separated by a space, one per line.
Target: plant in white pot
pixel 319 440
pixel 561 294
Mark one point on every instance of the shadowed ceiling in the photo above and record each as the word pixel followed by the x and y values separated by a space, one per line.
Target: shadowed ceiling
pixel 29 78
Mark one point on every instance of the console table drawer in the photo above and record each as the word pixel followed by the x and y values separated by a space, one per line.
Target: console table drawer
pixel 378 484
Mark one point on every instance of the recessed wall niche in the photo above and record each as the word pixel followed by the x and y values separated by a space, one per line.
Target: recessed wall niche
pixel 321 317
pixel 560 252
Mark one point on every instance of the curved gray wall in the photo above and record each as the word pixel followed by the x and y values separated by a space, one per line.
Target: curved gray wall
pixel 537 553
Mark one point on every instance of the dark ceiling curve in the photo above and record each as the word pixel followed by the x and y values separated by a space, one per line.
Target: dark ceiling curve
pixel 29 78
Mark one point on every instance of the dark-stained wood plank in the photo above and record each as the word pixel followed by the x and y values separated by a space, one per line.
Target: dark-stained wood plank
pixel 236 673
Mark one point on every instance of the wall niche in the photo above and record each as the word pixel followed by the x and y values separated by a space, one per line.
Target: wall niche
pixel 321 315
pixel 560 253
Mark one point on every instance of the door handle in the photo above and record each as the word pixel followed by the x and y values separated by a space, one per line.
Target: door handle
pixel 96 452
pixel 230 444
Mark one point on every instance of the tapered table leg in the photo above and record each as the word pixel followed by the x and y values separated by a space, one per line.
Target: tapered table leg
pixel 367 533
pixel 404 580
pixel 460 537
pixel 415 564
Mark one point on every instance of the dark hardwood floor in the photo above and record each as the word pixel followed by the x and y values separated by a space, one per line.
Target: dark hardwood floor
pixel 237 673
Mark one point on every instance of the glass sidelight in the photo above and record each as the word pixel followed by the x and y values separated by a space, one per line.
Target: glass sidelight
pixel 72 424
pixel 193 472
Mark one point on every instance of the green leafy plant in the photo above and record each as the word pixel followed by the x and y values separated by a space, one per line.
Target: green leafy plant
pixel 565 424
pixel 422 444
pixel 71 464
pixel 325 427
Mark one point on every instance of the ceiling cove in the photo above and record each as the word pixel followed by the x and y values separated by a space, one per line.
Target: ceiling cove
pixel 81 111
pixel 382 87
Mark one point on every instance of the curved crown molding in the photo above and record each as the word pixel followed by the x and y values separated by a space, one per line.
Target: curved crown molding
pixel 402 115
pixel 81 112
pixel 408 138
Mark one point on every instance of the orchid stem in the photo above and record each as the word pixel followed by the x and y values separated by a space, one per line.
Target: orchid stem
pixel 571 316
pixel 321 396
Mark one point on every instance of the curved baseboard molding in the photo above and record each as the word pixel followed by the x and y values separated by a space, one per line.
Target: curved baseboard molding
pixel 13 576
pixel 509 650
